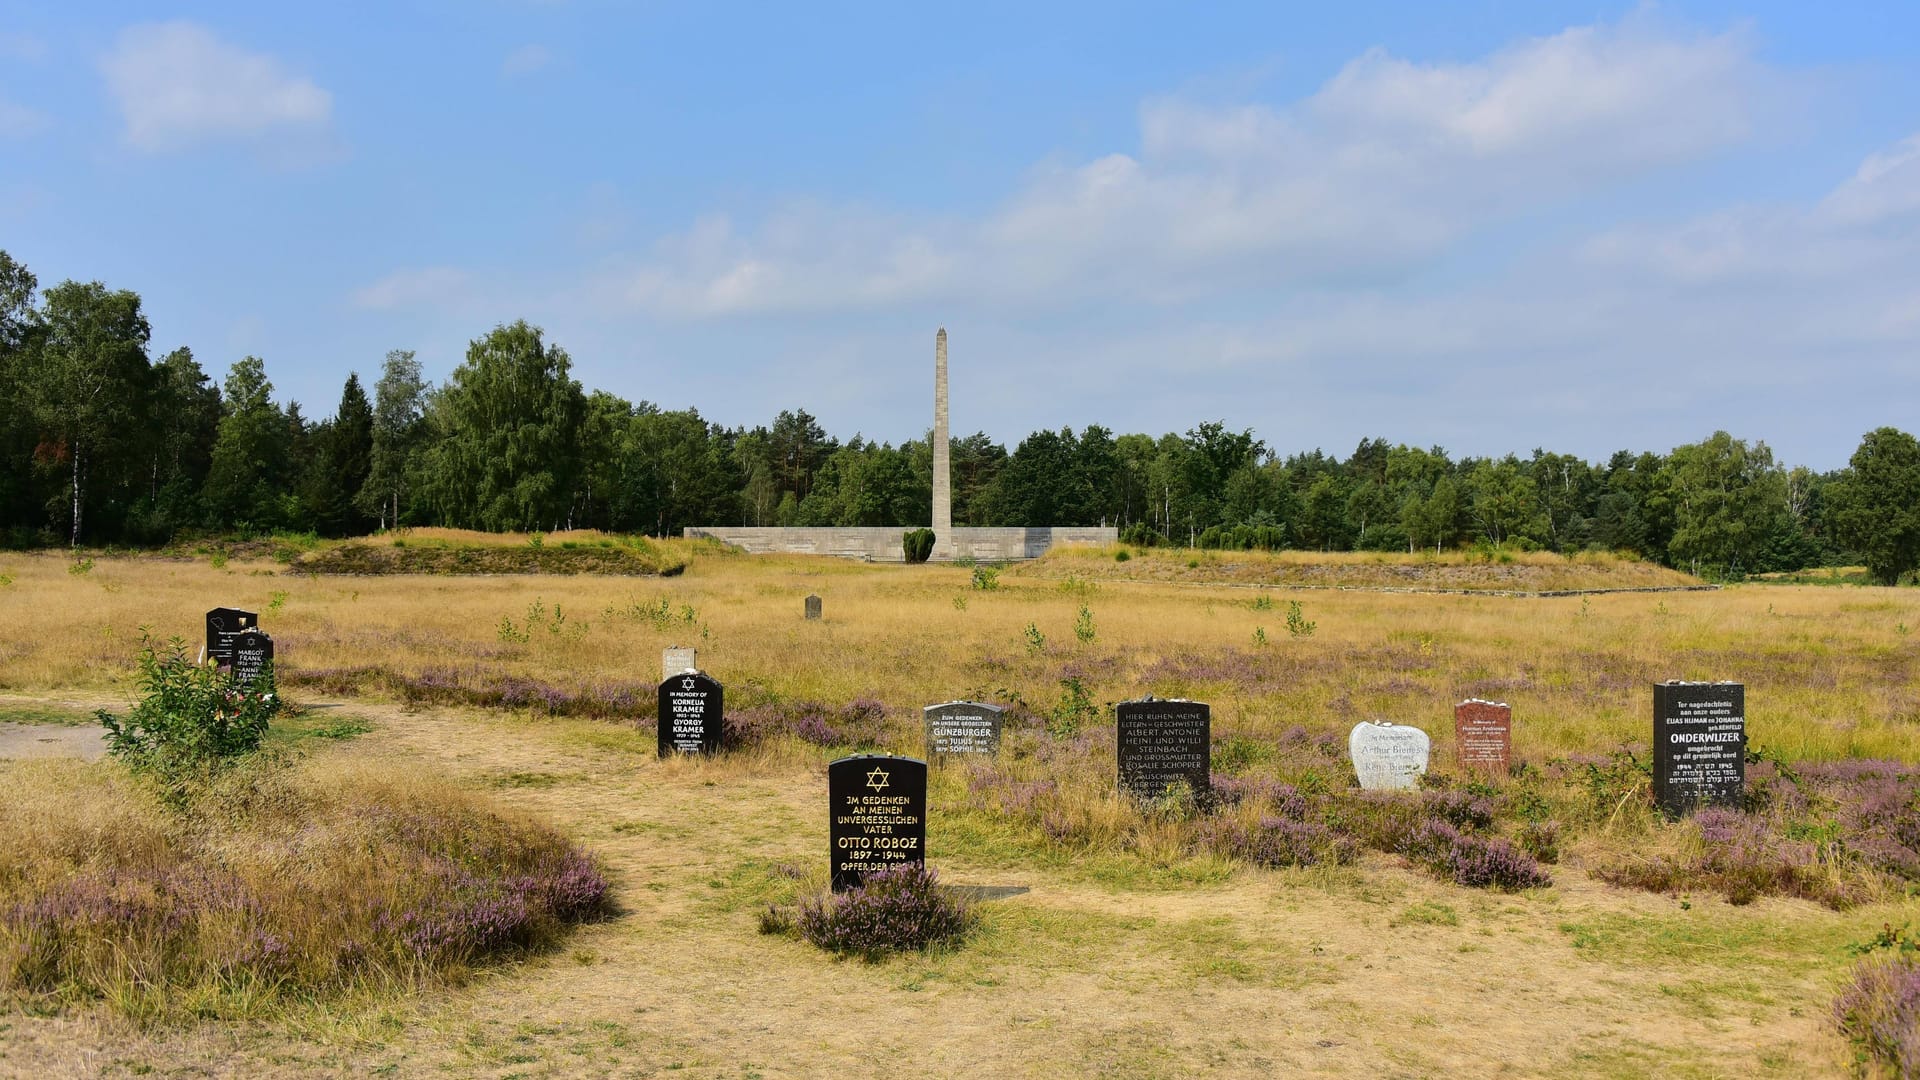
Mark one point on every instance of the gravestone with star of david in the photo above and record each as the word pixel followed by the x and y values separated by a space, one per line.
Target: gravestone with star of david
pixel 877 815
pixel 690 711
pixel 223 625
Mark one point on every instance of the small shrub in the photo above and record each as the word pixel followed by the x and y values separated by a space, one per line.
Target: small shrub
pixel 1259 636
pixel 1475 861
pixel 1278 841
pixel 1541 839
pixel 986 578
pixel 900 910
pixel 192 719
pixel 1142 535
pixel 1297 623
pixel 917 545
pixel 1074 711
pixel 1036 641
pixel 80 566
pixel 1879 1013
pixel 1083 626
pixel 1123 556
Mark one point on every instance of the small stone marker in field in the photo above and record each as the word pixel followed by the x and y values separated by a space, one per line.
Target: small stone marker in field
pixel 813 607
pixel 252 652
pixel 1388 756
pixel 1699 744
pixel 1162 743
pixel 675 659
pixel 960 728
pixel 877 809
pixel 691 705
pixel 1483 734
pixel 223 625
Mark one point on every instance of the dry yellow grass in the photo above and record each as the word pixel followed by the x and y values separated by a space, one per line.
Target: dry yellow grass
pixel 1145 962
pixel 1831 673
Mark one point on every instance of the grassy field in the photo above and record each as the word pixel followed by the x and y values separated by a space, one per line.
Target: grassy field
pixel 1133 953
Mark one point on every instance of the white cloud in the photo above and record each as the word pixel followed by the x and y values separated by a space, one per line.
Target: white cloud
pixel 433 286
pixel 526 60
pixel 19 121
pixel 177 85
pixel 1378 172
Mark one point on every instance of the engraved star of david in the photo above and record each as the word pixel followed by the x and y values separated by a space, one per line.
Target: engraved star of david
pixel 877 779
pixel 686 683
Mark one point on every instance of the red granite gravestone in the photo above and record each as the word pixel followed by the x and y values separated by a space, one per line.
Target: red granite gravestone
pixel 1483 734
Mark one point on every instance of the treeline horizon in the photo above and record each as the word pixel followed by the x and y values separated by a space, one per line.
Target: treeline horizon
pixel 104 444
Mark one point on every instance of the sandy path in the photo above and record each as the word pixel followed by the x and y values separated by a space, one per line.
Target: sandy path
pixel 1334 974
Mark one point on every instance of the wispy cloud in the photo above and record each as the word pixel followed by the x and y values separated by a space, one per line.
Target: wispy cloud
pixel 526 60
pixel 1381 170
pixel 177 85
pixel 433 286
pixel 23 47
pixel 19 121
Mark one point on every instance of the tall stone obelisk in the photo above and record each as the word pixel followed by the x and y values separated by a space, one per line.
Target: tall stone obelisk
pixel 942 484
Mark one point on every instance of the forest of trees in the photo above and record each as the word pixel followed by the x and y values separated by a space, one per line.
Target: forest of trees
pixel 105 443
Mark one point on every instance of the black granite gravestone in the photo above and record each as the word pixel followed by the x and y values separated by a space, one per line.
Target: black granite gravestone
pixel 1161 743
pixel 691 706
pixel 960 728
pixel 223 624
pixel 813 607
pixel 877 810
pixel 252 652
pixel 1699 745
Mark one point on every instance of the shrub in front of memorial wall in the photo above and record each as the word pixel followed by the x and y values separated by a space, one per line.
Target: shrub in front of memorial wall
pixel 279 882
pixel 917 545
pixel 192 719
pixel 901 910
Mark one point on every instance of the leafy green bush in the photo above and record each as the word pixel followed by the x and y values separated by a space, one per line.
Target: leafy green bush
pixel 192 719
pixel 1141 534
pixel 918 544
pixel 986 578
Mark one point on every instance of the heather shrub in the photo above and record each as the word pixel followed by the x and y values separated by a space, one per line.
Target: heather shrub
pixel 275 880
pixel 1277 841
pixel 900 910
pixel 861 722
pixel 1478 862
pixel 1879 1009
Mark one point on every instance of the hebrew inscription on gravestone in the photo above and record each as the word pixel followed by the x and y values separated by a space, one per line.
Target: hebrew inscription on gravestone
pixel 1163 743
pixel 1388 756
pixel 877 814
pixel 690 714
pixel 962 727
pixel 1699 744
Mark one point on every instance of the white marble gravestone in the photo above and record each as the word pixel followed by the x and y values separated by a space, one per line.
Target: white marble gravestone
pixel 1388 756
pixel 675 659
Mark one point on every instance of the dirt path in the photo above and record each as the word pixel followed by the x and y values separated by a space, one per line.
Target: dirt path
pixel 1372 971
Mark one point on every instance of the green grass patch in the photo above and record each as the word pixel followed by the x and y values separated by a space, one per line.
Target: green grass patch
pixel 45 714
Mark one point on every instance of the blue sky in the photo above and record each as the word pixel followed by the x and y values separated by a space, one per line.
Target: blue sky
pixel 1487 226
